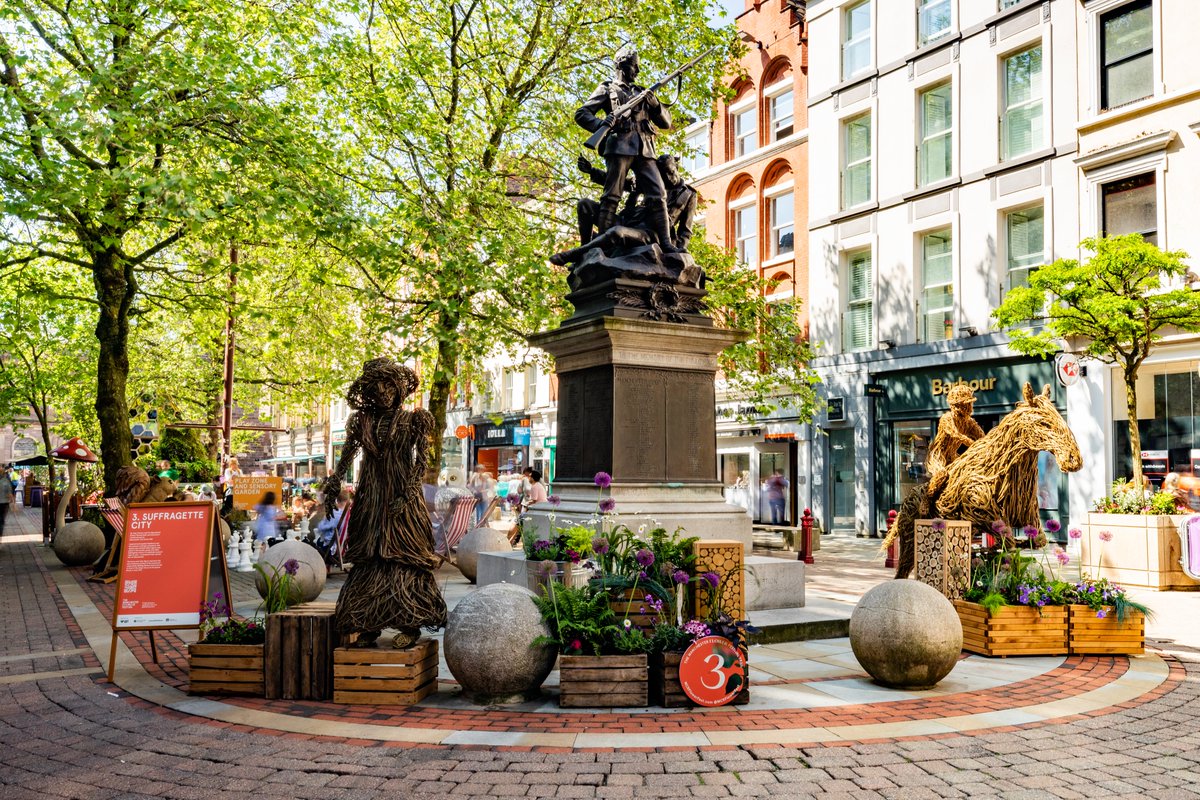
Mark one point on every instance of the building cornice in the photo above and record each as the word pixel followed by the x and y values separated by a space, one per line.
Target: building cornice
pixel 1149 143
pixel 743 162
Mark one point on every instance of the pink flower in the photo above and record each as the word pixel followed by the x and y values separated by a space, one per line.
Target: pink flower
pixel 1106 536
pixel 1053 526
pixel 1075 533
pixel 576 644
pixel 1063 557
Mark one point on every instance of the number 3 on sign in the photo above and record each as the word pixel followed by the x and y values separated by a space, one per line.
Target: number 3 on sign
pixel 712 671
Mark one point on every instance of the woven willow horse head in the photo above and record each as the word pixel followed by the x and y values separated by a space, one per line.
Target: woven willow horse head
pixel 996 478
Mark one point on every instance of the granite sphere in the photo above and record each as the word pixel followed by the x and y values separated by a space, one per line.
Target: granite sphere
pixel 78 543
pixel 309 580
pixel 489 645
pixel 479 540
pixel 905 634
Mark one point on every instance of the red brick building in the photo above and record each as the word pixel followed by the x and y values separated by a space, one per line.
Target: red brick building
pixel 753 182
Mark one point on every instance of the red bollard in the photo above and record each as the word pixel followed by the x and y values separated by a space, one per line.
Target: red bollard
pixel 893 550
pixel 806 534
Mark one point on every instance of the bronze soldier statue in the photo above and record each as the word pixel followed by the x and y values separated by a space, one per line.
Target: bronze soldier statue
pixel 628 145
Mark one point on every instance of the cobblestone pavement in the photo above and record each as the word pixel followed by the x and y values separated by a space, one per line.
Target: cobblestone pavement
pixel 65 732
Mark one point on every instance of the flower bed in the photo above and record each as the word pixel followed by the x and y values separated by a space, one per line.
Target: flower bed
pixel 1100 632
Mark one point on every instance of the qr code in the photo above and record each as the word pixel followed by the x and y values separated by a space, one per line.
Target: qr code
pixel 131 586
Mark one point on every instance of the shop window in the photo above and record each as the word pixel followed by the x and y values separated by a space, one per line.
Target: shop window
pixel 859 319
pixel 937 287
pixel 1026 244
pixel 1021 122
pixel 735 477
pixel 1126 55
pixel 783 223
pixel 936 151
pixel 856 161
pixel 1130 205
pixel 933 20
pixel 856 44
pixel 745 224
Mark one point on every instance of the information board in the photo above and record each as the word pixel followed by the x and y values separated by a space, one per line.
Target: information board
pixel 163 577
pixel 248 490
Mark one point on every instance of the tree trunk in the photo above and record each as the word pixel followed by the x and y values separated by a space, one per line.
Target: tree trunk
pixel 115 289
pixel 1135 438
pixel 42 412
pixel 444 370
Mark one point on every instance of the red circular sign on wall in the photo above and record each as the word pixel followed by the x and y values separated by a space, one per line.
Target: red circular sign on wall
pixel 712 671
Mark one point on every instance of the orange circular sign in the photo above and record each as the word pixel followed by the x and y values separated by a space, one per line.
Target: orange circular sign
pixel 712 671
pixel 462 431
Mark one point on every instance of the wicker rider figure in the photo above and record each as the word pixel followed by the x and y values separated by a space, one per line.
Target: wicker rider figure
pixel 390 539
pixel 957 430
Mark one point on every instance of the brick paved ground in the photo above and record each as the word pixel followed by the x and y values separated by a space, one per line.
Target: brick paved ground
pixel 63 733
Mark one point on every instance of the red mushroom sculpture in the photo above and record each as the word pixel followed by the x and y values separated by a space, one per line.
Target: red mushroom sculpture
pixel 72 451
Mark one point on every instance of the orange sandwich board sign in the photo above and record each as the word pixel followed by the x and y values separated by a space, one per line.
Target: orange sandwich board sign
pixel 712 671
pixel 249 490
pixel 164 571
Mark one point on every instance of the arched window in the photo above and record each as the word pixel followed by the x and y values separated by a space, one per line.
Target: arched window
pixel 743 121
pixel 779 98
pixel 743 213
pixel 780 202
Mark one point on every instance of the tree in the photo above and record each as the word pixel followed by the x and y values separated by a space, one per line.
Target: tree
pixel 457 119
pixel 46 355
pixel 127 126
pixel 1119 302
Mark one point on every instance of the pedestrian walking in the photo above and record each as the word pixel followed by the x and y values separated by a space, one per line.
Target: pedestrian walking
pixel 777 487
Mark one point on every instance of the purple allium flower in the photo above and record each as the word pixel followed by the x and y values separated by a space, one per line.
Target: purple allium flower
pixel 939 525
pixel 643 575
pixel 607 505
pixel 291 566
pixel 1106 536
pixel 679 576
pixel 554 500
pixel 644 557
pixel 1075 533
pixel 1030 531
pixel 1040 540
pixel 603 480
pixel 998 526
pixel 600 545
pixel 1063 557
pixel 1053 526
pixel 712 579
pixel 547 567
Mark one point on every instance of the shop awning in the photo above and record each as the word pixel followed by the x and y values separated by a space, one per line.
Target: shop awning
pixel 294 459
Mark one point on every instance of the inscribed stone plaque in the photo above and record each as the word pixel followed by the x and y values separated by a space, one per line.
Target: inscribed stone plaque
pixel 584 424
pixel 640 433
pixel 690 416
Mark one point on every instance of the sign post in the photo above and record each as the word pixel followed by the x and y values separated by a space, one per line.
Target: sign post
pixel 164 571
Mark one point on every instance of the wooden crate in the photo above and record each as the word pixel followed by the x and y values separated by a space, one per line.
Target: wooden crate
pixel 1092 635
pixel 603 681
pixel 666 690
pixel 299 653
pixel 1013 630
pixel 225 669
pixel 944 557
pixel 385 676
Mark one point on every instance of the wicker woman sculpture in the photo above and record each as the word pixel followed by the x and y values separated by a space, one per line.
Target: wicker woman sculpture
pixel 390 540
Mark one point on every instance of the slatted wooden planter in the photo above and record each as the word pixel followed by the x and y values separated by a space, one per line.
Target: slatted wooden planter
pixel 225 669
pixel 1013 630
pixel 1092 635
pixel 603 681
pixel 628 604
pixel 666 690
pixel 299 653
pixel 385 676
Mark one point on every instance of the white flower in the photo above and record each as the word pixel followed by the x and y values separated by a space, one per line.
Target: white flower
pixel 641 529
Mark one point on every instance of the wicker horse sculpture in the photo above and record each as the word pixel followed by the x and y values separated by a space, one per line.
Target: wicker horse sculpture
pixel 996 478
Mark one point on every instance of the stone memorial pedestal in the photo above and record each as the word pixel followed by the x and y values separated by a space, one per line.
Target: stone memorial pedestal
pixel 637 400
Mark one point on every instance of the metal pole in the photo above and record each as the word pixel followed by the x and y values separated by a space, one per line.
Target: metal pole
pixel 227 400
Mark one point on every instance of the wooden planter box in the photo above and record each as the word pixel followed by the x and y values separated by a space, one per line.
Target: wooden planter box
pixel 666 690
pixel 603 681
pixel 385 676
pixel 299 653
pixel 1013 630
pixel 1089 634
pixel 225 669
pixel 1145 550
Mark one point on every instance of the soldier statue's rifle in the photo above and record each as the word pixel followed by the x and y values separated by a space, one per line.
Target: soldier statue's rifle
pixel 624 109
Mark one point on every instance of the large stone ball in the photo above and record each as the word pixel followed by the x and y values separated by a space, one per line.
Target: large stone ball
pixel 78 543
pixel 309 580
pixel 480 540
pixel 488 645
pixel 905 634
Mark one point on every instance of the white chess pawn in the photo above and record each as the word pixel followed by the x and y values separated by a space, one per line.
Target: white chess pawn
pixel 304 529
pixel 231 554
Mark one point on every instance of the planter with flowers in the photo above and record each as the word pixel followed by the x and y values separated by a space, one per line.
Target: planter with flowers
pixel 1132 539
pixel 228 659
pixel 567 545
pixel 1102 620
